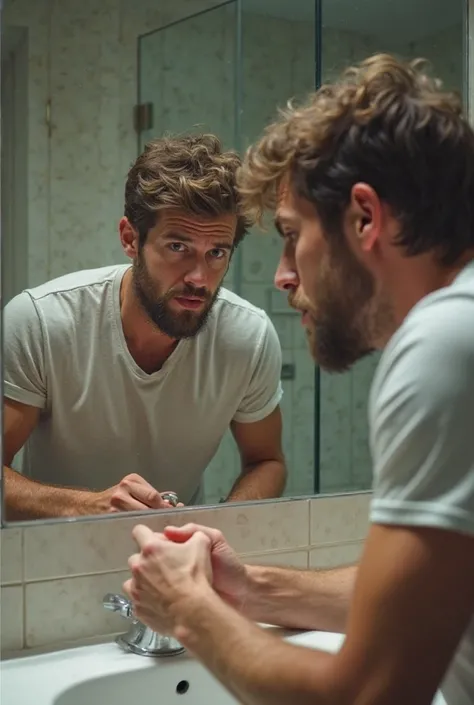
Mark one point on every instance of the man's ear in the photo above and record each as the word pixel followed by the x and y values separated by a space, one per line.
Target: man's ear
pixel 366 216
pixel 129 238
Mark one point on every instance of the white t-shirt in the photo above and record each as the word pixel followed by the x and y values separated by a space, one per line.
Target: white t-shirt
pixel 102 417
pixel 422 434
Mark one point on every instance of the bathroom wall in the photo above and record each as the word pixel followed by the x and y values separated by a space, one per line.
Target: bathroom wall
pixel 54 576
pixel 82 57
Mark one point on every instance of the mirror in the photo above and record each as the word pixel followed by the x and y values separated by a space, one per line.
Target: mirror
pixel 85 86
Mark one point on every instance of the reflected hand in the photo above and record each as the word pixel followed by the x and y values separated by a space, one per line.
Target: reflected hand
pixel 165 576
pixel 132 493
pixel 230 577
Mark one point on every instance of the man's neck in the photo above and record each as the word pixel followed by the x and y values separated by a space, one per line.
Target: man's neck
pixel 149 347
pixel 420 276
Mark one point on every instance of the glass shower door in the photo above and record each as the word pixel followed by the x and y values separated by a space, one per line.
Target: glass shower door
pixel 279 41
pixel 186 74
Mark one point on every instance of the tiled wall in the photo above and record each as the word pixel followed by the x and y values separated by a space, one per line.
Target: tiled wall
pixel 54 576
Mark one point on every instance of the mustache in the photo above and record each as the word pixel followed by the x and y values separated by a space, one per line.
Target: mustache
pixel 295 302
pixel 190 290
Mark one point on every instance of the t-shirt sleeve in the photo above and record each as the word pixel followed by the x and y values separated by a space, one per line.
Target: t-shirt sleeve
pixel 422 420
pixel 265 391
pixel 23 352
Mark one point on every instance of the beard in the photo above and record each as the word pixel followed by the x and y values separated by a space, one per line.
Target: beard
pixel 349 316
pixel 177 325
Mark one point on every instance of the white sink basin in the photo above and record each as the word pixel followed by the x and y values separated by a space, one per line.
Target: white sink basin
pixel 104 675
pixel 181 681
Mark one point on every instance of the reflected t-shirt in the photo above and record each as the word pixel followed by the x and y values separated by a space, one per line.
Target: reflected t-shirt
pixel 102 417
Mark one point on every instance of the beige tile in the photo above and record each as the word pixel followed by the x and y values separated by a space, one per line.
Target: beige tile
pixel 340 518
pixel 11 556
pixel 336 555
pixel 286 559
pixel 68 609
pixel 82 548
pixel 258 528
pixel 11 618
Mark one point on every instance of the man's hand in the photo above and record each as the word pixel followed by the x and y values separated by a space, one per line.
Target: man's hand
pixel 230 577
pixel 132 493
pixel 166 576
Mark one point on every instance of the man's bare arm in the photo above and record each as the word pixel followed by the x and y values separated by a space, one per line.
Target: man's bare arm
pixel 24 498
pixel 27 499
pixel 263 465
pixel 414 595
pixel 300 599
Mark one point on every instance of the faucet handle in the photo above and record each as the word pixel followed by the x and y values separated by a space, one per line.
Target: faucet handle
pixel 140 639
pixel 118 603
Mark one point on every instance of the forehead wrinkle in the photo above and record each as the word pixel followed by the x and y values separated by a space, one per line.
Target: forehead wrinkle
pixel 185 227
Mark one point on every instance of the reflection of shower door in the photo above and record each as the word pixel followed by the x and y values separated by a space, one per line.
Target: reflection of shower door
pixel 186 76
pixel 14 161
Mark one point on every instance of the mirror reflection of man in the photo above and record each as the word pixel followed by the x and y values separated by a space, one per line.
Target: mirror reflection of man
pixel 120 382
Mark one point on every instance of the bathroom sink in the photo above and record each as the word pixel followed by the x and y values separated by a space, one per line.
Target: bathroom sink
pixel 102 674
pixel 183 681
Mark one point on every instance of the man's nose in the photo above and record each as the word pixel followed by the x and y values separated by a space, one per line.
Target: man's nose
pixel 286 278
pixel 197 275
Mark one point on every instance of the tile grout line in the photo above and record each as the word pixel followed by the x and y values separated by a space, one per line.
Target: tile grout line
pixel 250 554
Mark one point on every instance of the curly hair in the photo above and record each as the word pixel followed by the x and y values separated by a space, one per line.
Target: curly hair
pixel 386 123
pixel 190 172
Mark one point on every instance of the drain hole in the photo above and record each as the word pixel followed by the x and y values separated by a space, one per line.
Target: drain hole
pixel 182 687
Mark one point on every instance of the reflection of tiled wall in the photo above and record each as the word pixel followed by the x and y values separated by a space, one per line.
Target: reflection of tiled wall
pixel 344 451
pixel 84 56
pixel 54 576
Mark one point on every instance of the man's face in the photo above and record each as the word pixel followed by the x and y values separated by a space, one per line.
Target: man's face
pixel 177 273
pixel 341 309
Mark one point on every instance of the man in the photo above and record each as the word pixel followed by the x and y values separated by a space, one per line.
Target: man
pixel 374 183
pixel 122 381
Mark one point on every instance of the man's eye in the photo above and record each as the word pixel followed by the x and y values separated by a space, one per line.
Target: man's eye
pixel 177 247
pixel 217 253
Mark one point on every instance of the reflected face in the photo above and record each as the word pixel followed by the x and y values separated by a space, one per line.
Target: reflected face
pixel 335 293
pixel 177 273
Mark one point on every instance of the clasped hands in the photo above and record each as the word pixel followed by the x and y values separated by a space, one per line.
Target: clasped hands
pixel 176 571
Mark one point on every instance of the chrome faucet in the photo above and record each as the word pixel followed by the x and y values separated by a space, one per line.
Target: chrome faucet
pixel 140 639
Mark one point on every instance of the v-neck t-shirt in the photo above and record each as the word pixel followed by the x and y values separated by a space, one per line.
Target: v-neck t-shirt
pixel 102 417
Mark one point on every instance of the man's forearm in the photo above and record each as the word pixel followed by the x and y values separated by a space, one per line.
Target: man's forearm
pixel 27 499
pixel 264 480
pixel 257 667
pixel 300 599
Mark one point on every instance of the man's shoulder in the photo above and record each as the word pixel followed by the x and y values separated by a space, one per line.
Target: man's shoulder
pixel 238 328
pixel 234 310
pixel 421 411
pixel 78 281
pixel 68 303
pixel 434 346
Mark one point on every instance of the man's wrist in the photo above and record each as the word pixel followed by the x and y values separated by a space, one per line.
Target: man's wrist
pixel 255 582
pixel 194 612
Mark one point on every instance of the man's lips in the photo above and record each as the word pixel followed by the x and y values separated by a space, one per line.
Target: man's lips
pixel 192 303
